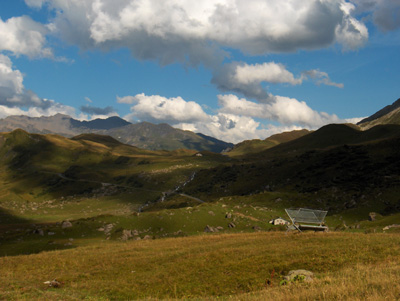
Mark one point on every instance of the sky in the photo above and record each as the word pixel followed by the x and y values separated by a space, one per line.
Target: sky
pixel 231 69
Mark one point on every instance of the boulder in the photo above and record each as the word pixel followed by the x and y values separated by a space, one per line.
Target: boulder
pixel 231 225
pixel 126 234
pixel 391 226
pixel 66 224
pixel 39 231
pixel 108 228
pixel 147 237
pixel 211 213
pixel 209 229
pixel 228 215
pixel 53 283
pixel 299 275
pixel 372 216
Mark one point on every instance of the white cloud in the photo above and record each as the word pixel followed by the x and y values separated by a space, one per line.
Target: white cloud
pixel 247 79
pixel 52 109
pixel 194 31
pixel 267 72
pixel 16 100
pixel 161 109
pixel 236 120
pixel 35 3
pixel 22 35
pixel 287 111
pixel 233 128
pixel 12 91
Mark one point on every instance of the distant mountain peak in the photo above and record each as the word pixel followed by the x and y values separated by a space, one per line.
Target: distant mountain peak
pixel 101 124
pixel 144 135
pixel 386 110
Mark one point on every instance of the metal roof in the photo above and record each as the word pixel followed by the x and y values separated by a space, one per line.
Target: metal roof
pixel 303 215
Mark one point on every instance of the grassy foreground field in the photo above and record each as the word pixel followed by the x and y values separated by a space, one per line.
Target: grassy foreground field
pixel 232 266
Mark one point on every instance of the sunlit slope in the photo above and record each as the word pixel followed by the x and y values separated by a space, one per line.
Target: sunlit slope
pixel 229 266
pixel 388 115
pixel 257 145
pixel 50 164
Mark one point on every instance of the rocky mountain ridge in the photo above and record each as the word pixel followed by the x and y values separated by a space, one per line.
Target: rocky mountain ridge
pixel 142 135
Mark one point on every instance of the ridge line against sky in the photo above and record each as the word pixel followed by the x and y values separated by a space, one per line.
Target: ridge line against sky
pixel 231 69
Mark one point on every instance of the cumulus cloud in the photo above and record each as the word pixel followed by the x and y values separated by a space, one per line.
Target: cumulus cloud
pixel 52 109
pixel 237 119
pixel 195 31
pixel 247 79
pixel 229 127
pixel 287 111
pixel 16 100
pixel 155 108
pixel 23 36
pixel 12 90
pixel 385 13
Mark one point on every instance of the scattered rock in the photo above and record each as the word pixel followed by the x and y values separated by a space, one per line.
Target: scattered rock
pixel 391 226
pixel 256 228
pixel 147 237
pixel 299 275
pixel 231 225
pixel 228 215
pixel 108 228
pixel 66 224
pixel 211 213
pixel 38 231
pixel 209 229
pixel 372 216
pixel 53 283
pixel 219 228
pixel 126 234
pixel 50 233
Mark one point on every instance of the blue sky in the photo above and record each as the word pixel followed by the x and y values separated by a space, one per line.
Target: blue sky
pixel 232 69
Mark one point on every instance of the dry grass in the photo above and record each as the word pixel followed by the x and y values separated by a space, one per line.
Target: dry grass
pixel 347 266
pixel 377 281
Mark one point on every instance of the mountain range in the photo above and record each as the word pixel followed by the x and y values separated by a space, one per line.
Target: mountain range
pixel 142 135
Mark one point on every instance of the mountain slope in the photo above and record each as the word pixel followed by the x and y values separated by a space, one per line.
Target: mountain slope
pixel 162 136
pixel 336 167
pixel 143 135
pixel 388 115
pixel 256 145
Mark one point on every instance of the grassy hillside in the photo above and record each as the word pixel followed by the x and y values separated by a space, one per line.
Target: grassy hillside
pixel 89 209
pixel 238 266
pixel 324 167
pixel 255 146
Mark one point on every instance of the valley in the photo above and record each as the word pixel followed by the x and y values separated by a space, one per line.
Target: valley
pixel 63 200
